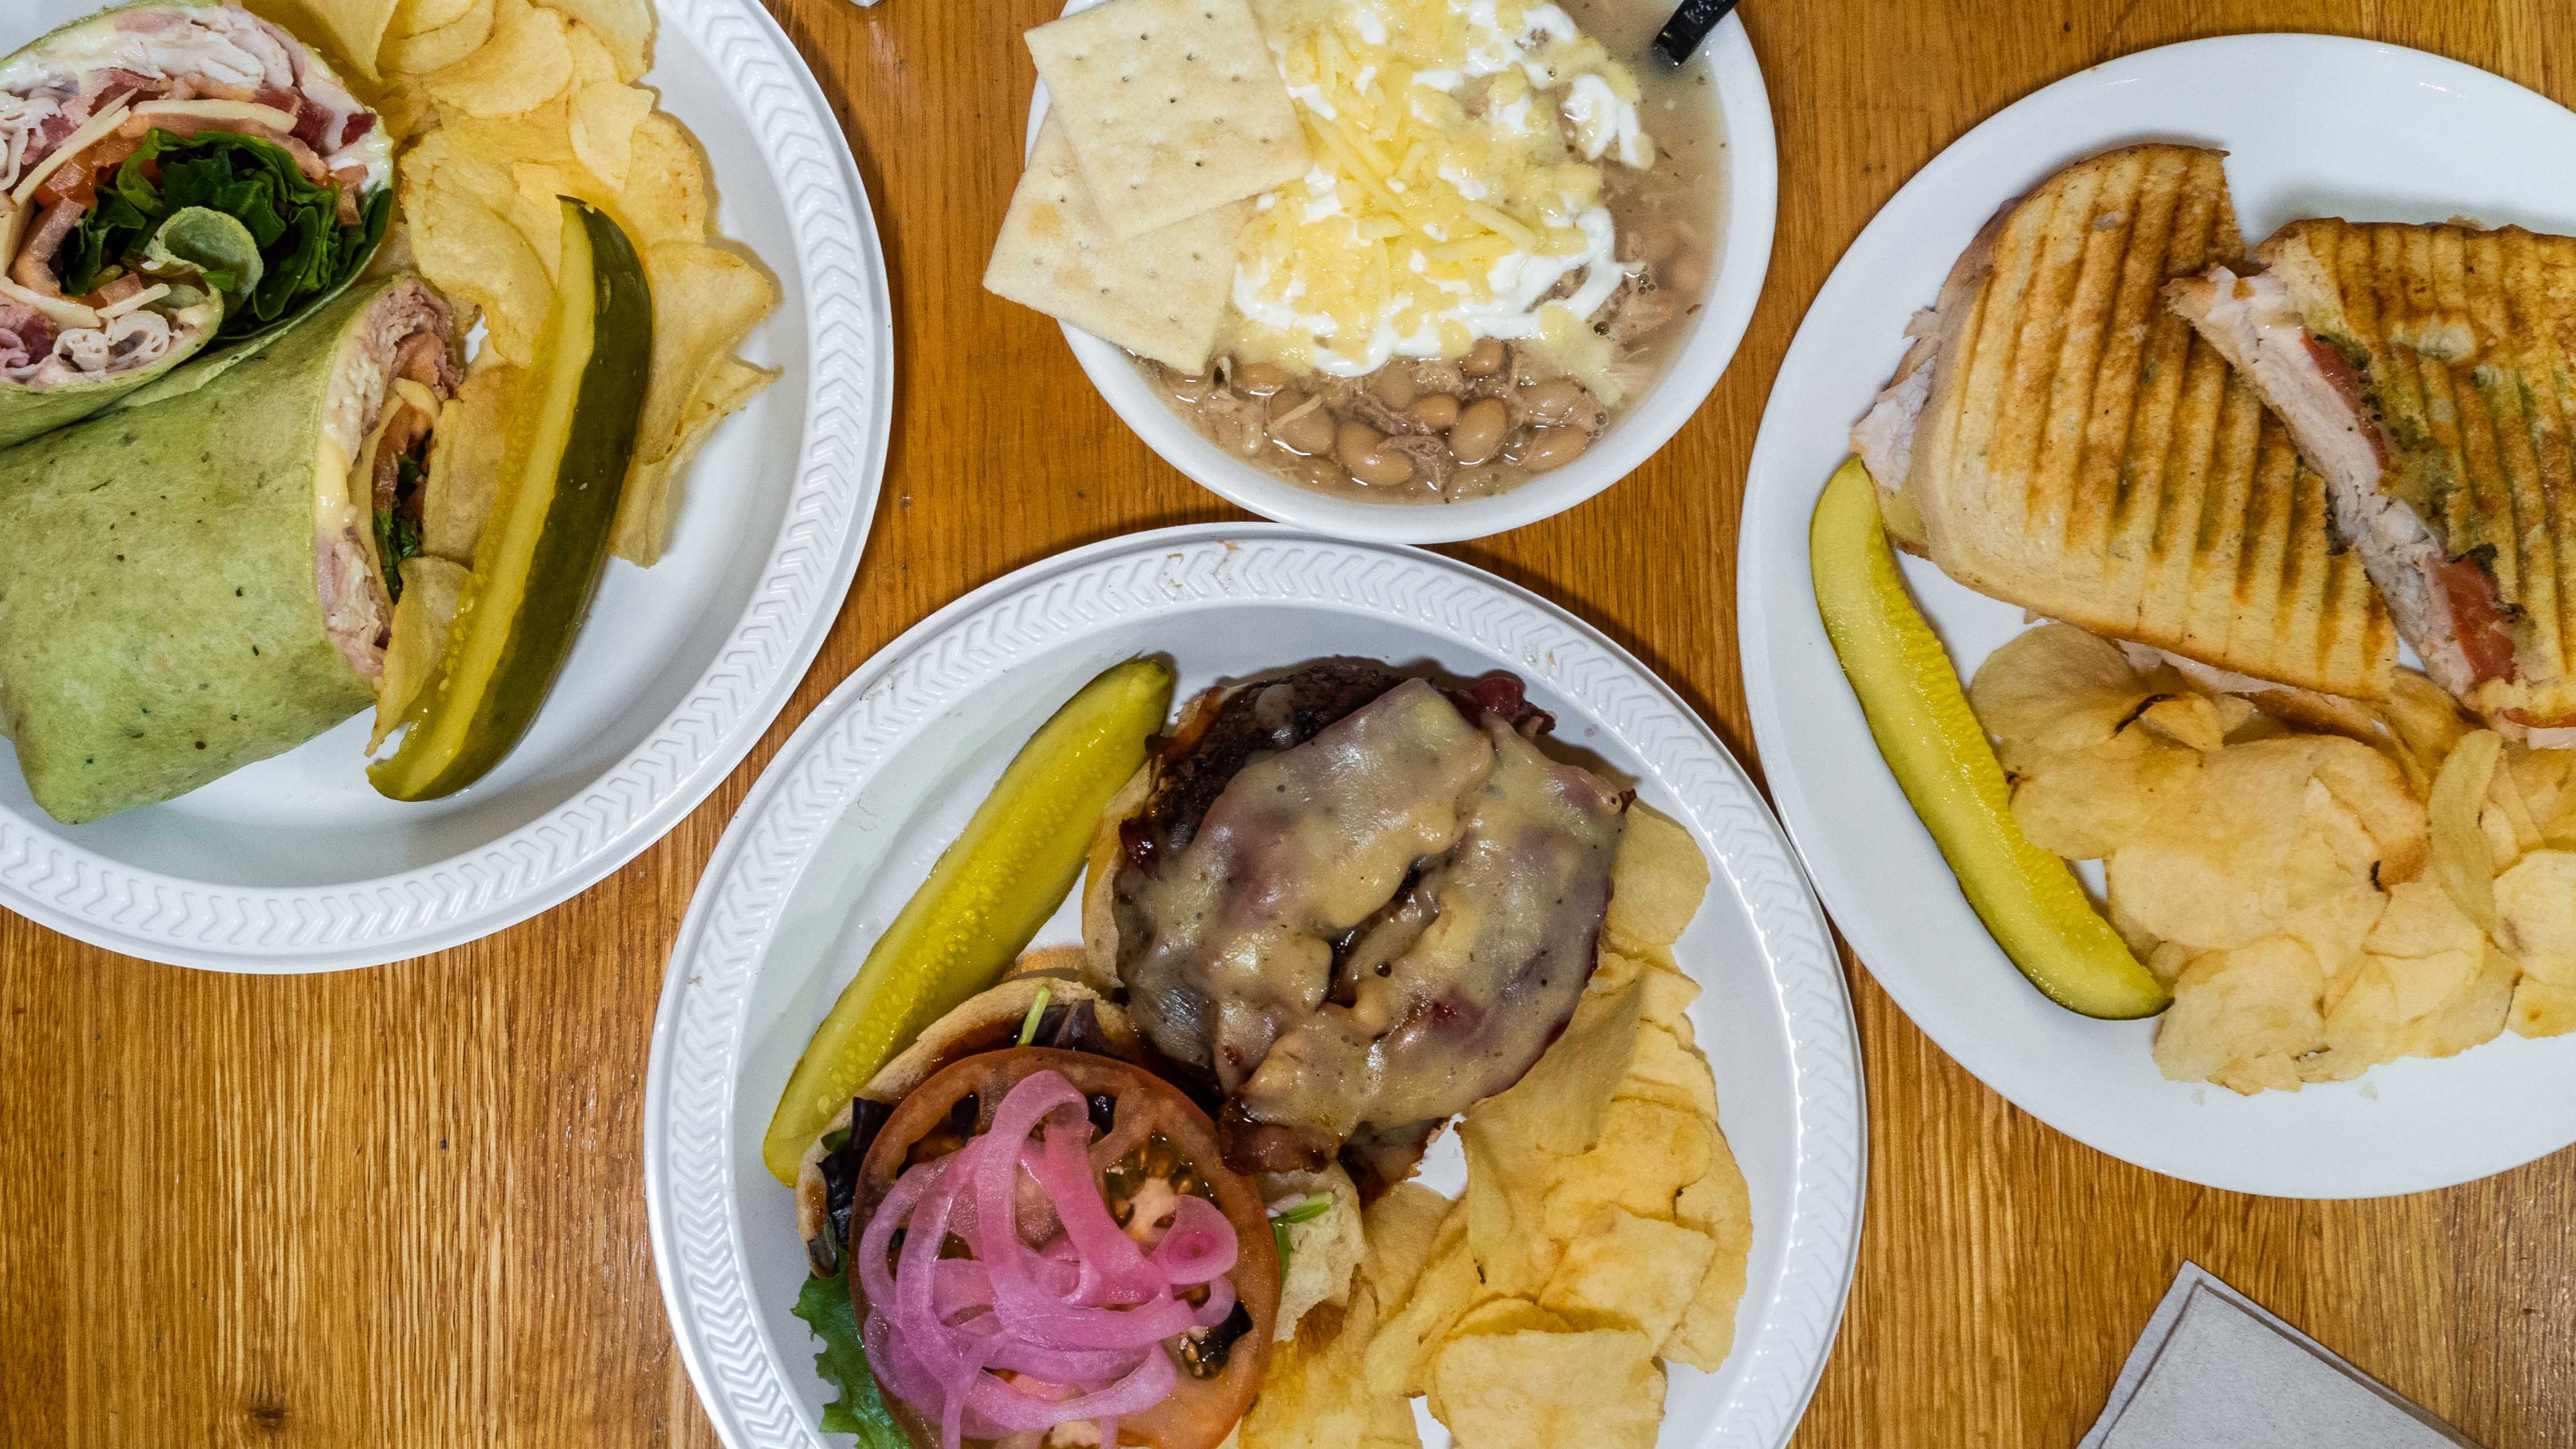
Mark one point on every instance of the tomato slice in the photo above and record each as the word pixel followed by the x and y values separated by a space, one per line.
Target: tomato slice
pixel 2477 619
pixel 1146 1130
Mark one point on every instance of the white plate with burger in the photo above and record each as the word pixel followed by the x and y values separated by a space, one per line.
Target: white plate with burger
pixel 1369 675
pixel 2309 127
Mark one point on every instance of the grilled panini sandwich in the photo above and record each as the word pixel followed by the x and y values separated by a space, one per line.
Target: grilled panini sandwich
pixel 2430 373
pixel 2056 437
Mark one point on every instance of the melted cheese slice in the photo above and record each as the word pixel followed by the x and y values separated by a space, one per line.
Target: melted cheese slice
pixel 279 121
pixel 61 311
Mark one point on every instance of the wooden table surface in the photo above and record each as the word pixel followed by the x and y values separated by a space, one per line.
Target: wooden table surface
pixel 404 1206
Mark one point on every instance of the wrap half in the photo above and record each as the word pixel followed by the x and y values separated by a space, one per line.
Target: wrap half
pixel 174 177
pixel 190 586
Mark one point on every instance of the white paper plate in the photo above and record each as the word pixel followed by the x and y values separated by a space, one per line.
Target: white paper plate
pixel 2313 126
pixel 846 821
pixel 296 864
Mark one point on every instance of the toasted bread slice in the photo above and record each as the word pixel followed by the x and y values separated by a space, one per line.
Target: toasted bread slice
pixel 2427 371
pixel 2077 450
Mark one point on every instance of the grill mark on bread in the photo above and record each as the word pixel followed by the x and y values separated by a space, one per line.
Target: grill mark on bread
pixel 2085 454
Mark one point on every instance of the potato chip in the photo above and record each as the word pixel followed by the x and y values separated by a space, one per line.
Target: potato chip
pixel 2234 1008
pixel 591 62
pixel 1505 1214
pixel 2192 721
pixel 1656 882
pixel 2207 872
pixel 1666 995
pixel 1647 1154
pixel 1666 1072
pixel 1601 1389
pixel 431 590
pixel 2463 861
pixel 465 460
pixel 605 117
pixel 2543 777
pixel 504 143
pixel 525 64
pixel 705 301
pixel 1400 1229
pixel 1558 1107
pixel 2374 788
pixel 413 17
pixel 2541 1008
pixel 666 194
pixel 468 250
pixel 1507 1315
pixel 1718 1206
pixel 431 48
pixel 2427 721
pixel 1397 1357
pixel 443 161
pixel 624 28
pixel 2054 690
pixel 356 27
pixel 1389 1424
pixel 2535 904
pixel 2428 985
pixel 1309 1396
pixel 1323 1251
pixel 1625 1271
pixel 2087 806
pixel 2508 818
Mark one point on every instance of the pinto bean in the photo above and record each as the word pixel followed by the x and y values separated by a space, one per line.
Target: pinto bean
pixel 1478 433
pixel 1301 424
pixel 1358 448
pixel 1436 411
pixel 1261 379
pixel 1394 387
pixel 1484 359
pixel 1550 448
pixel 1554 401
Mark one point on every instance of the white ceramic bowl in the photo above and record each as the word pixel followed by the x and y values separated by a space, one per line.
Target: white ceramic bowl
pixel 1749 203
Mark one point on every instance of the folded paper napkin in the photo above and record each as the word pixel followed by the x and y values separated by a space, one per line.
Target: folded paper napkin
pixel 2215 1371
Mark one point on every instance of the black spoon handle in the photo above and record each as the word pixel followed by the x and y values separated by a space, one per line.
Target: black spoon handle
pixel 1689 26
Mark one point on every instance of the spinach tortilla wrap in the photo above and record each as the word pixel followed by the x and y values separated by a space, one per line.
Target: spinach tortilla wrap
pixel 174 178
pixel 192 585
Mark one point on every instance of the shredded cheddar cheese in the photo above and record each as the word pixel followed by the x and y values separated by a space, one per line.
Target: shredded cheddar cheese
pixel 1457 183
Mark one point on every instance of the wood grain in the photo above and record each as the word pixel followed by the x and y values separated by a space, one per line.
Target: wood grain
pixel 404 1206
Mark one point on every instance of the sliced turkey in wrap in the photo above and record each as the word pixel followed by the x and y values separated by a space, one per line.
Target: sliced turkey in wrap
pixel 208 579
pixel 174 177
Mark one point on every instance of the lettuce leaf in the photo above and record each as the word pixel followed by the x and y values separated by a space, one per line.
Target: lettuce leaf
pixel 824 1304
pixel 305 253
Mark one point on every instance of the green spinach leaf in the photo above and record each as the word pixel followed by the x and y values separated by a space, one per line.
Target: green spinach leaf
pixel 305 251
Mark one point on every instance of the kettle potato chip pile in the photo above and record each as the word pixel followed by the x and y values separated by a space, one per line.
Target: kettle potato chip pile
pixel 1604 1228
pixel 2326 885
pixel 505 105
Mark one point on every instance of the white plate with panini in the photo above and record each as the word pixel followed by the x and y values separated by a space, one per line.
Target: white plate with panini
pixel 844 824
pixel 2309 126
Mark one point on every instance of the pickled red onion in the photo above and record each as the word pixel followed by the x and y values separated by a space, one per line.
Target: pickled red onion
pixel 1079 1319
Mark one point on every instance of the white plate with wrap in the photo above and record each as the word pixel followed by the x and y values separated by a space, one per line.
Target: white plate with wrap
pixel 847 819
pixel 296 863
pixel 2313 126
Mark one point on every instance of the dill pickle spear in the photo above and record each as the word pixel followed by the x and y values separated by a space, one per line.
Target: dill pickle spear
pixel 2028 897
pixel 991 890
